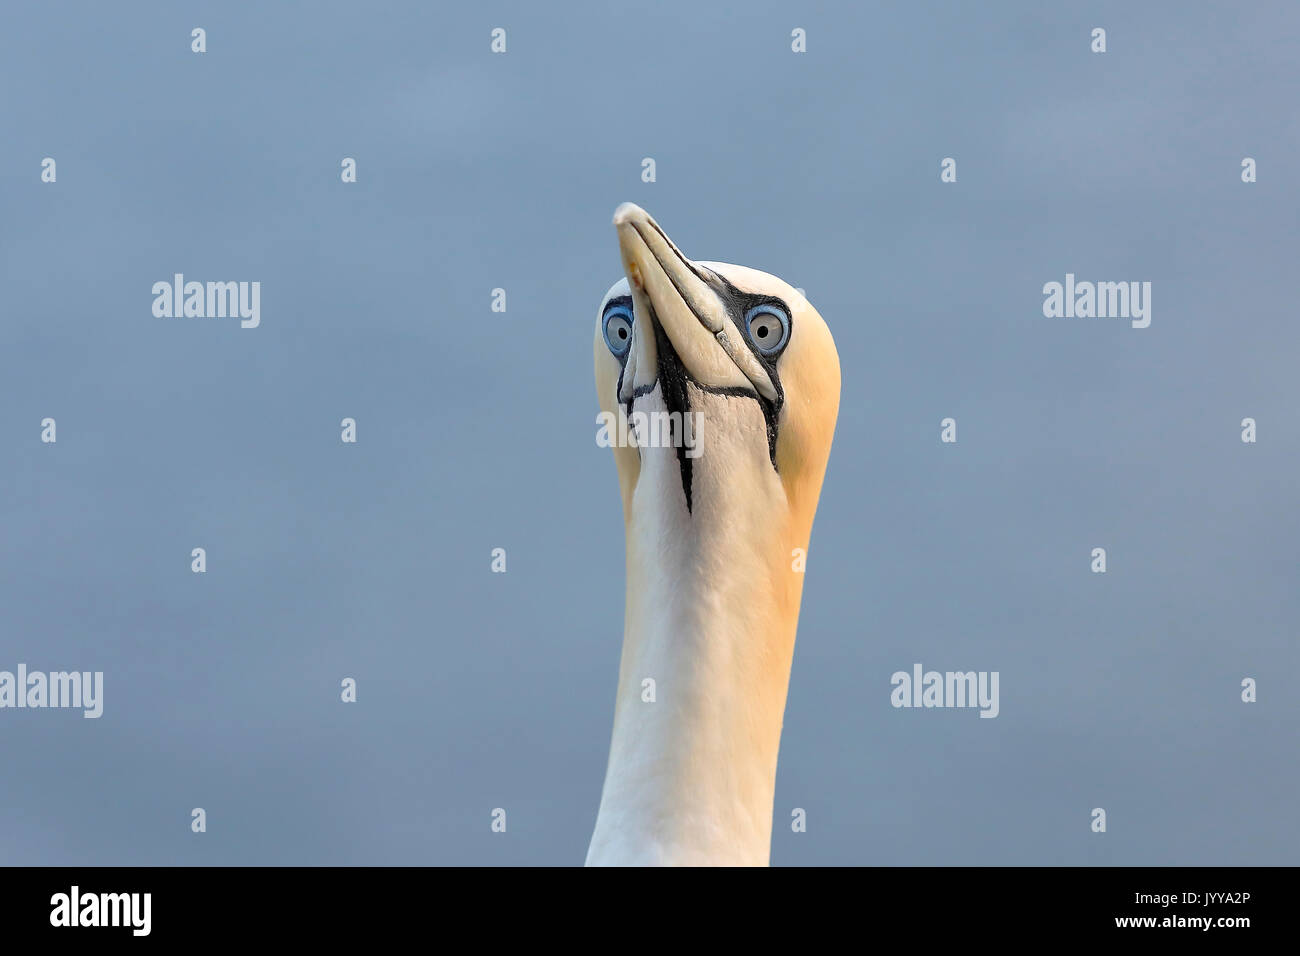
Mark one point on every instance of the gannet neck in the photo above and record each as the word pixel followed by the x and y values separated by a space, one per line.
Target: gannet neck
pixel 717 527
pixel 711 613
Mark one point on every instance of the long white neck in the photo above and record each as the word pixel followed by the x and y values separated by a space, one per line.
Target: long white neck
pixel 712 608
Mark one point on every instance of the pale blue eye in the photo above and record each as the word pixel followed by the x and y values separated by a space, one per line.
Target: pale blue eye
pixel 618 329
pixel 768 327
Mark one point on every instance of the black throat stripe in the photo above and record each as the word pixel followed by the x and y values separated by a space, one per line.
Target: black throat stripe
pixel 675 381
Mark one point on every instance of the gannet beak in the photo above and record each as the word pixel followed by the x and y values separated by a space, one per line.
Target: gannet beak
pixel 682 298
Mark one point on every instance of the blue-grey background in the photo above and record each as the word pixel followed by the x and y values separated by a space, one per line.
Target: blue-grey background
pixel 476 430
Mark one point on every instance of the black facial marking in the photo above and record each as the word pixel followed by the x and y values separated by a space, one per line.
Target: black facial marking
pixel 623 300
pixel 674 378
pixel 738 304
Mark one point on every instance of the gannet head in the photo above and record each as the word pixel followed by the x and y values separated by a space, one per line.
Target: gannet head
pixel 742 352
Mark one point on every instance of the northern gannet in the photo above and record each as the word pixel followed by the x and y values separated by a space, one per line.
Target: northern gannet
pixel 711 536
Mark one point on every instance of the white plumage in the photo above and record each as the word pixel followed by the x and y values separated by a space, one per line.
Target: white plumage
pixel 713 581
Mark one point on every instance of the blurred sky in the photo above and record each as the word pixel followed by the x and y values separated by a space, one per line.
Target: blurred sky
pixel 476 430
